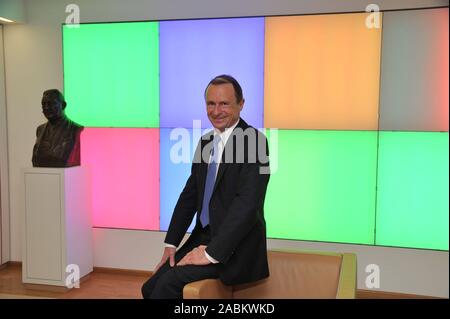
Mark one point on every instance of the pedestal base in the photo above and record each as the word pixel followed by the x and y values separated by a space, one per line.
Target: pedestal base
pixel 57 243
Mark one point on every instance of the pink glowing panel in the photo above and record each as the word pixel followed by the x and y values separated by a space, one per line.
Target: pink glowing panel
pixel 124 165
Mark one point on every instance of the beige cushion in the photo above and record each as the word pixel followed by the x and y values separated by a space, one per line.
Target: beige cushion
pixel 295 275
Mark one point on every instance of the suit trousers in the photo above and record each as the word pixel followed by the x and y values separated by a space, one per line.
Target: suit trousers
pixel 168 282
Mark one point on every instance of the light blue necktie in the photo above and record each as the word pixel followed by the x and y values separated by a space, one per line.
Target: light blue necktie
pixel 210 181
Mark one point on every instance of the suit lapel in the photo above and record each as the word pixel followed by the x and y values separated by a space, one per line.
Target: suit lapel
pixel 222 168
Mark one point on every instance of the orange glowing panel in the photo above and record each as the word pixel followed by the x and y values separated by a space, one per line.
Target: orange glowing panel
pixel 322 72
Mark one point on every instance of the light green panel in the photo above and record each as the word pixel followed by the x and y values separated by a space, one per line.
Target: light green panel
pixel 111 74
pixel 412 203
pixel 323 188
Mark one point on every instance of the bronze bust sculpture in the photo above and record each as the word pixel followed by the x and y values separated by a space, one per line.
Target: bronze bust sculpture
pixel 58 140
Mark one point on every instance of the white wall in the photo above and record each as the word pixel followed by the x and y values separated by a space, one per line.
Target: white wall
pixel 4 184
pixel 34 63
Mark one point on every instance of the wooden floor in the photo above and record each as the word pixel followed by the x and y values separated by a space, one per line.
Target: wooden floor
pixel 98 285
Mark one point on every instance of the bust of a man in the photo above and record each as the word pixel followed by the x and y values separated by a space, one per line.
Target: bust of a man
pixel 58 140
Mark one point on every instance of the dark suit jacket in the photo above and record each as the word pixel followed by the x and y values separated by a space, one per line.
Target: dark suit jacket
pixel 237 225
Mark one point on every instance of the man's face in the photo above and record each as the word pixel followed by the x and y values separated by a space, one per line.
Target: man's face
pixel 51 107
pixel 221 106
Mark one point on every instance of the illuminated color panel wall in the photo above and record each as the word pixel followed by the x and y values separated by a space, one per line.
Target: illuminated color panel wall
pixel 174 171
pixel 331 193
pixel 195 51
pixel 412 206
pixel 362 148
pixel 412 197
pixel 321 72
pixel 124 165
pixel 111 74
pixel 414 83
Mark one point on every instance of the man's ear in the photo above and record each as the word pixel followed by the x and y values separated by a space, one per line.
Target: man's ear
pixel 64 104
pixel 241 105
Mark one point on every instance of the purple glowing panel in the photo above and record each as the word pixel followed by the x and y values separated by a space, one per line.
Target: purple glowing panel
pixel 194 52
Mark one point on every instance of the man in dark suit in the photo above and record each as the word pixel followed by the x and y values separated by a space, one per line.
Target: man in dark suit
pixel 226 188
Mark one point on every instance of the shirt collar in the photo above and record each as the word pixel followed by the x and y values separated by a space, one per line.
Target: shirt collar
pixel 226 134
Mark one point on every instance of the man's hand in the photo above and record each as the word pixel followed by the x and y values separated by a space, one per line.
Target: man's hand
pixel 195 257
pixel 169 253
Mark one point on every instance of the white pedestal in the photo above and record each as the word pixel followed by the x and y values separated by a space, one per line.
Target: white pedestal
pixel 57 232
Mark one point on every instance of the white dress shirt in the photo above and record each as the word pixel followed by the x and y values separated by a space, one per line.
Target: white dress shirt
pixel 222 142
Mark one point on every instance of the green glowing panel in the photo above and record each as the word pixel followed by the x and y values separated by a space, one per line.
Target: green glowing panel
pixel 412 204
pixel 322 186
pixel 111 74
